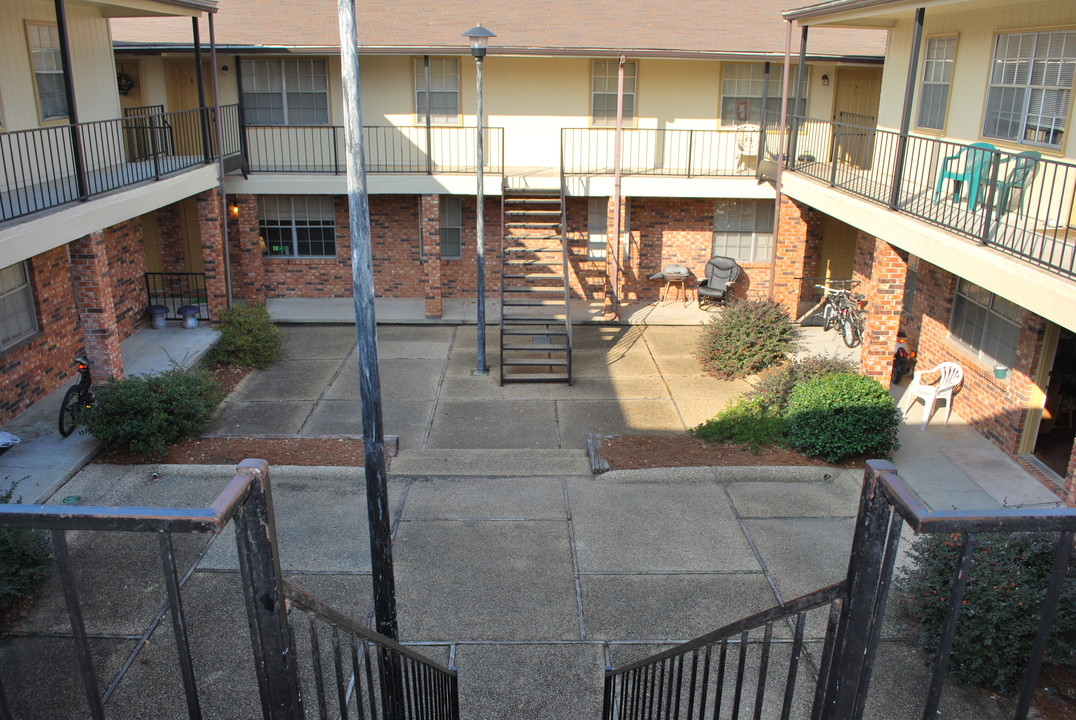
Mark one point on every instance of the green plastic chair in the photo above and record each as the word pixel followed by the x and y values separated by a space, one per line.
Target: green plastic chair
pixel 1024 167
pixel 978 158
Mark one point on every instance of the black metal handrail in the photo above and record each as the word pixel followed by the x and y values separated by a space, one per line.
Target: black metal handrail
pixel 675 687
pixel 387 149
pixel 44 168
pixel 1020 203
pixel 175 290
pixel 686 153
pixel 404 679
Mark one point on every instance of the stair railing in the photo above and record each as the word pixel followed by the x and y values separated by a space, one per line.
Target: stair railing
pixel 504 270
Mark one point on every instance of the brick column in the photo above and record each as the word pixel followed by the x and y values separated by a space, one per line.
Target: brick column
pixel 881 270
pixel 96 307
pixel 248 271
pixel 795 241
pixel 210 232
pixel 1069 494
pixel 430 229
pixel 612 238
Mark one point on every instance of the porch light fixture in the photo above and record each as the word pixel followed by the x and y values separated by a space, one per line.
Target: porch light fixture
pixel 479 37
pixel 234 209
pixel 825 81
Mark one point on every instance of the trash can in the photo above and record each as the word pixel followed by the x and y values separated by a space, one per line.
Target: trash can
pixel 157 316
pixel 189 313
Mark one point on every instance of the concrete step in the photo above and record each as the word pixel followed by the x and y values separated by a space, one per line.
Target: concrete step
pixel 498 463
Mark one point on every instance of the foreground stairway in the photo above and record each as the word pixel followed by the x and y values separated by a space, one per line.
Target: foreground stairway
pixel 535 330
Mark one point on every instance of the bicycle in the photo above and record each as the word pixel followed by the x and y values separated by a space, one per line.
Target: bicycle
pixel 843 310
pixel 77 398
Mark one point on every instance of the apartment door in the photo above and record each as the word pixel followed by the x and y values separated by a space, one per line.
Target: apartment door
pixel 151 241
pixel 192 236
pixel 855 106
pixel 1056 429
pixel 186 129
pixel 838 250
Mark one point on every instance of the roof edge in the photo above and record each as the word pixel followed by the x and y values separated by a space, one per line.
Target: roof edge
pixel 833 6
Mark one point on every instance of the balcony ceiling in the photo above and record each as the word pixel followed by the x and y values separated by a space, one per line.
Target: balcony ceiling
pixel 148 8
pixel 553 27
pixel 882 14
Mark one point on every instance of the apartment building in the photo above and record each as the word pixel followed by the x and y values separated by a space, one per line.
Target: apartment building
pixel 99 193
pixel 956 211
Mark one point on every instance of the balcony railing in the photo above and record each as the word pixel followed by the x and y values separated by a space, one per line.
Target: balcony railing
pixel 48 167
pixel 388 149
pixel 1018 203
pixel 685 153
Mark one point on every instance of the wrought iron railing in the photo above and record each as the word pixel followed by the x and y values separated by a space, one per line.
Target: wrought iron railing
pixel 48 167
pixel 382 680
pixel 697 680
pixel 1019 203
pixel 175 290
pixel 687 153
pixel 387 149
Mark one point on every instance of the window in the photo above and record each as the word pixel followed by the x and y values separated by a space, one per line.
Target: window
pixel 302 226
pixel 597 228
pixel 1030 86
pixel 18 319
pixel 451 228
pixel 48 70
pixel 743 229
pixel 444 90
pixel 285 92
pixel 937 75
pixel 985 323
pixel 741 92
pixel 604 91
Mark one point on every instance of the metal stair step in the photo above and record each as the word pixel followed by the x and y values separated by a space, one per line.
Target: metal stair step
pixel 534 288
pixel 536 362
pixel 538 347
pixel 530 332
pixel 534 377
pixel 534 303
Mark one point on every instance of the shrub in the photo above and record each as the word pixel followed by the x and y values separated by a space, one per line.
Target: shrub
pixel 775 385
pixel 747 337
pixel 145 413
pixel 841 415
pixel 1002 603
pixel 247 337
pixel 25 561
pixel 749 422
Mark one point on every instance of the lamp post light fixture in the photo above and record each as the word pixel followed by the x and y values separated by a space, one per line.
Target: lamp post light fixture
pixel 479 37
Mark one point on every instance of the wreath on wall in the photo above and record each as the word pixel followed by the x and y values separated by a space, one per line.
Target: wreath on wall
pixel 125 82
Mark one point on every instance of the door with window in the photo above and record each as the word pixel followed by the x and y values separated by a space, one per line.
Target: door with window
pixel 855 107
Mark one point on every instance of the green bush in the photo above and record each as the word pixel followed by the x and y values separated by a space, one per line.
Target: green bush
pixel 25 561
pixel 747 337
pixel 1002 603
pixel 247 337
pixel 748 422
pixel 841 415
pixel 775 385
pixel 143 414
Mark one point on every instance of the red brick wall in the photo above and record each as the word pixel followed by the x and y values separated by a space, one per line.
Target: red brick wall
pixel 96 305
pixel 36 367
pixel 458 276
pixel 996 408
pixel 244 243
pixel 127 274
pixel 211 233
pixel 586 278
pixel 430 231
pixel 797 246
pixel 881 270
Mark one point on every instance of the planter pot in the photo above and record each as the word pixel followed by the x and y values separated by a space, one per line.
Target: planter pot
pixel 1001 372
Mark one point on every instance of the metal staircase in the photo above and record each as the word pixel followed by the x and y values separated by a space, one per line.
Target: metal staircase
pixel 536 328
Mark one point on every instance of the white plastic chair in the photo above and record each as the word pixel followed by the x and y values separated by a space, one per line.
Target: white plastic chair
pixel 950 376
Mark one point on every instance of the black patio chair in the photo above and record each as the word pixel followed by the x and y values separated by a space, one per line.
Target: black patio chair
pixel 721 273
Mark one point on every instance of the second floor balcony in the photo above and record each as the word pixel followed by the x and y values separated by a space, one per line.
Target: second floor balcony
pixel 45 168
pixel 1019 203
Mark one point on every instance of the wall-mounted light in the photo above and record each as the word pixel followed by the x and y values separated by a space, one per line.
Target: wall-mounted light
pixel 825 81
pixel 224 70
pixel 234 209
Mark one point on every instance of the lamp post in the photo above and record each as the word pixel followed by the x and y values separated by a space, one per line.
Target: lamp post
pixel 479 37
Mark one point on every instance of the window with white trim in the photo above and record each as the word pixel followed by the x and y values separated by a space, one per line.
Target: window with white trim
pixel 597 228
pixel 444 90
pixel 937 77
pixel 451 228
pixel 44 41
pixel 18 318
pixel 299 226
pixel 743 229
pixel 741 92
pixel 285 92
pixel 604 82
pixel 987 324
pixel 1031 87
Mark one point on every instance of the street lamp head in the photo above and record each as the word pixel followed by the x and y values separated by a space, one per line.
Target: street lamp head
pixel 479 37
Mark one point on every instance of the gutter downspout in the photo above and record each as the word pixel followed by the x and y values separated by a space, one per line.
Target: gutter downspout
pixel 614 307
pixel 780 154
pixel 218 126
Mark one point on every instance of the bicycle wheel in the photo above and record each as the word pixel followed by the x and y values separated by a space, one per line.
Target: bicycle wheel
pixel 852 330
pixel 827 317
pixel 69 411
